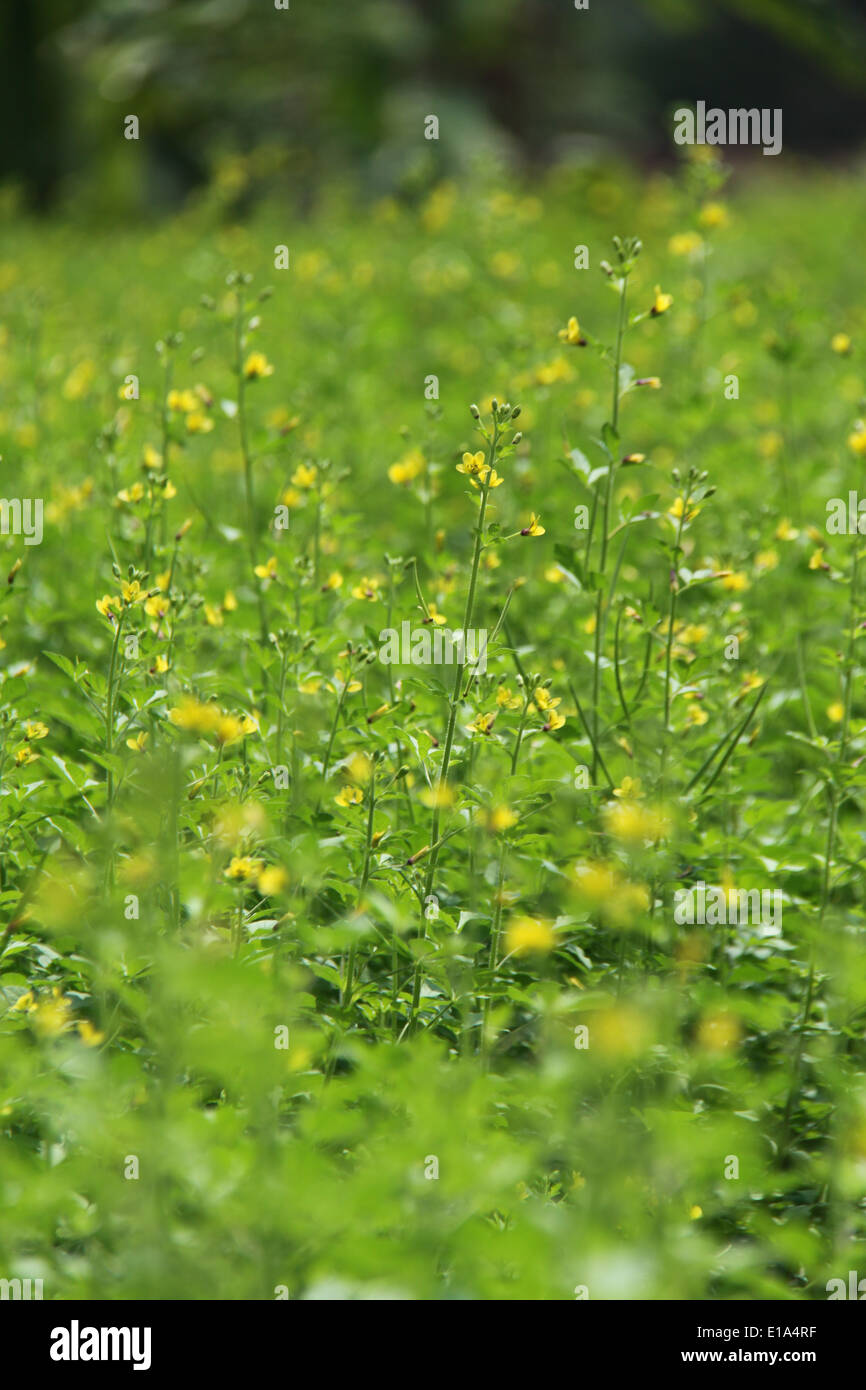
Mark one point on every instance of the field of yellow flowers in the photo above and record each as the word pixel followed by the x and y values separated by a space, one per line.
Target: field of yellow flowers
pixel 431 745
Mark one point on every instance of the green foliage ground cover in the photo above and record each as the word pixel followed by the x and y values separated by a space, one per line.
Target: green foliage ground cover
pixel 216 967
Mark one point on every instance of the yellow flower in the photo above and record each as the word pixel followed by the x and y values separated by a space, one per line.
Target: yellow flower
pixel 695 1213
pixel 366 589
pixel 131 591
pixel 572 334
pixel 440 795
pixel 653 382
pixel 194 717
pixel 816 559
pixel 157 606
pixel 36 729
pixel 213 615
pixel 684 243
pixel 182 401
pixel 24 755
pixel 501 818
pixel 857 438
pixel 836 712
pixel 406 469
pixel 78 382
pixel 554 721
pixel 543 700
pixel 257 365
pixel 785 531
pixel 51 1016
pixel 333 581
pixel 304 475
pixel 678 508
pixel 434 616
pixel 268 570
pixel 242 868
pixel 661 302
pixel 841 343
pixel 554 574
pixel 161 665
pixel 533 529
pixel 482 723
pixel 349 796
pixel 736 581
pixel 341 680
pixel 631 788
pixel 137 744
pixel 198 423
pixel 229 728
pixel 230 603
pixel 751 681
pixel 472 464
pixel 506 700
pixel 90 1036
pixel 131 494
pixel 632 822
pixel 272 880
pixel 605 890
pixel 25 1003
pixel 766 559
pixel 713 215
pixel 528 936
pixel 696 715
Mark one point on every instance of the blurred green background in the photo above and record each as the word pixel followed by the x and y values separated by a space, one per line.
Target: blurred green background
pixel 329 87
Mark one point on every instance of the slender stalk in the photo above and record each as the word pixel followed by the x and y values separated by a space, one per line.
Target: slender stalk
pixel 599 598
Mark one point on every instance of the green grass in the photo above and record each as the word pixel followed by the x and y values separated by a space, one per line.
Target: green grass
pixel 256 872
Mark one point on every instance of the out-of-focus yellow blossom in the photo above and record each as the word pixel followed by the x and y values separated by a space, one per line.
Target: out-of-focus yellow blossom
pixel 272 880
pixel 606 890
pixel 349 796
pixel 90 1036
pixel 529 936
pixel 194 717
pixel 736 581
pixel 52 1016
pixel 268 570
pixel 713 215
pixel 685 243
pixel 367 589
pixel 506 700
pixel 841 343
pixel 408 468
pixel 198 423
pixel 243 868
pixel 661 302
pixel 633 822
pixel 257 366
pixel 857 438
pixel 572 334
pixel 131 494
pixel 305 475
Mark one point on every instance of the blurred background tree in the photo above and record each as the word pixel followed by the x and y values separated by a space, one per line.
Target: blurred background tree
pixel 331 85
